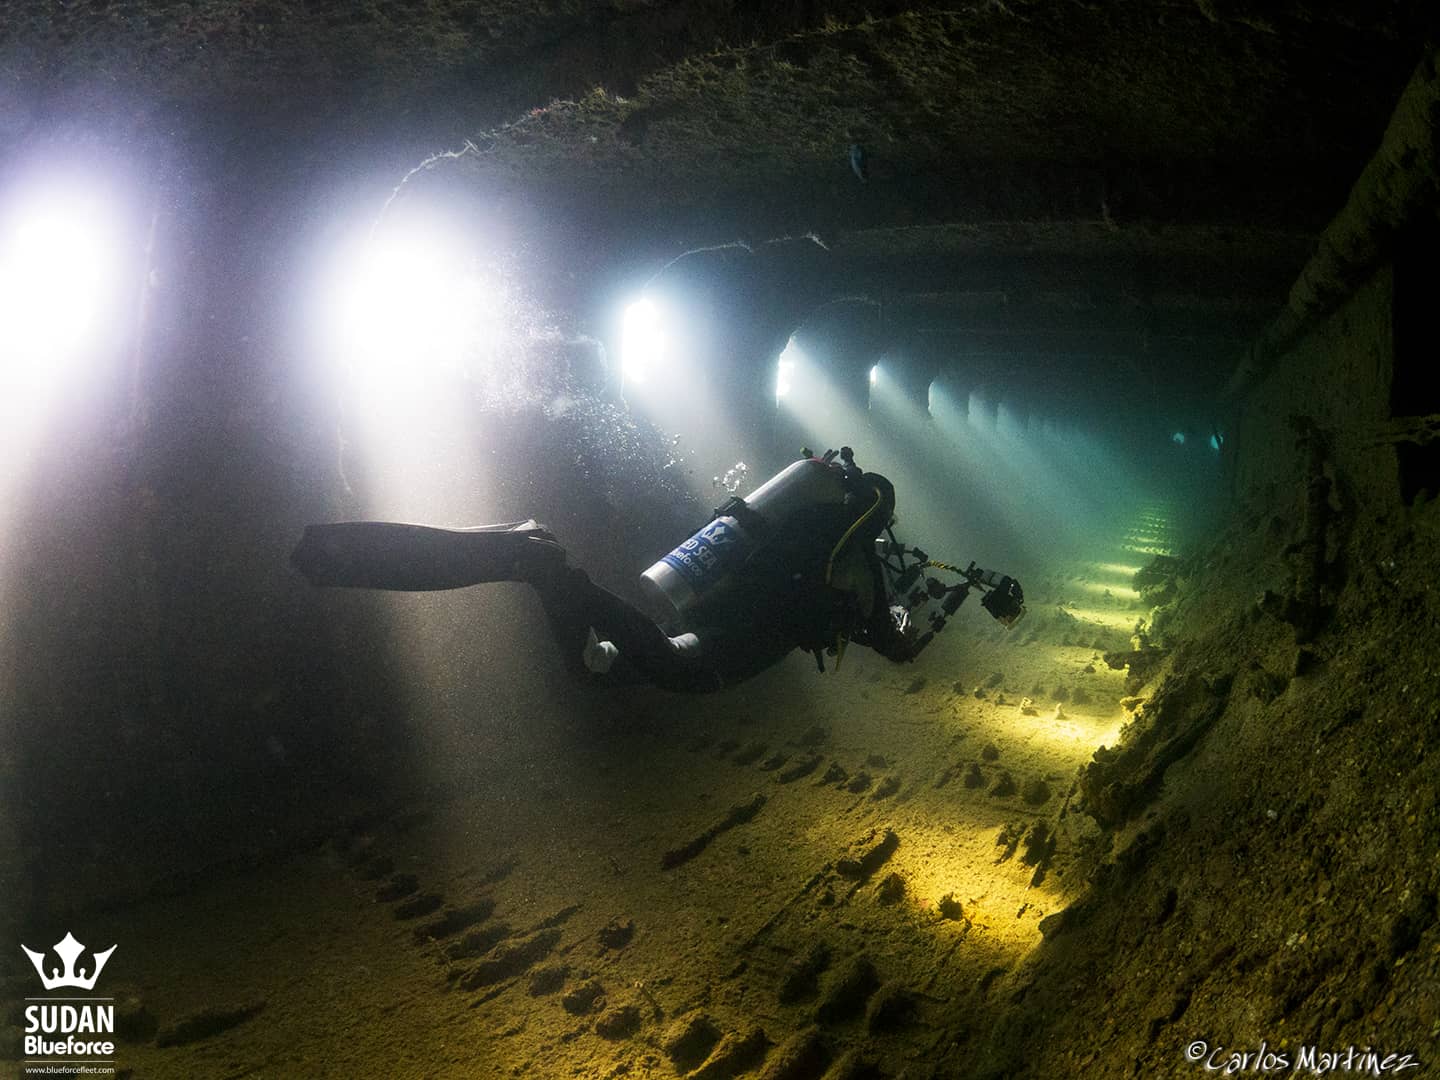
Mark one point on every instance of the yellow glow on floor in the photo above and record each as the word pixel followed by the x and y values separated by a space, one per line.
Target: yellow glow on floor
pixel 1076 731
pixel 939 865
pixel 1122 569
pixel 1071 729
pixel 1115 620
pixel 1122 591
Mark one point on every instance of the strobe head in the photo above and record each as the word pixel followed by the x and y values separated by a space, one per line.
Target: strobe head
pixel 1005 602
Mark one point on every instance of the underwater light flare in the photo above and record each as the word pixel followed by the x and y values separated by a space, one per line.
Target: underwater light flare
pixel 1148 549
pixel 786 366
pixel 1109 589
pixel 59 275
pixel 642 342
pixel 951 414
pixel 407 300
pixel 1122 619
pixel 784 374
pixel 1124 570
pixel 810 406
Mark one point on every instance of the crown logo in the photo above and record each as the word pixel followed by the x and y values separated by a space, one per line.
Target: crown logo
pixel 68 950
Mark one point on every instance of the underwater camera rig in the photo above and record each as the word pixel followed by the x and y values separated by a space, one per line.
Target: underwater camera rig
pixel 1001 596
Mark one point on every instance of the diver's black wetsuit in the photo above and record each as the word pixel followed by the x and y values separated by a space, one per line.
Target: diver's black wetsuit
pixel 778 602
pixel 814 583
pixel 720 655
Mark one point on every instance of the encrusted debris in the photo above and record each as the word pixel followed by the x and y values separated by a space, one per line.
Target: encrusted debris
pixel 736 1053
pixel 738 814
pixel 868 854
pixel 510 960
pixel 801 977
pixel 803 1056
pixel 207 1022
pixel 847 990
pixel 452 920
pixel 689 1040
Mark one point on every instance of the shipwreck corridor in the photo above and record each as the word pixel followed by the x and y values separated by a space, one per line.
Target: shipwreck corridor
pixel 643 886
pixel 1130 301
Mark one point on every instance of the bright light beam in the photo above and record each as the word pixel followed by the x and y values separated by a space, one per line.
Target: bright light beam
pixel 676 373
pixel 59 278
pixel 819 410
pixel 785 372
pixel 408 304
pixel 642 344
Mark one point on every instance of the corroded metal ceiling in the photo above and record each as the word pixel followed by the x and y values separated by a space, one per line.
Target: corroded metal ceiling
pixel 1104 153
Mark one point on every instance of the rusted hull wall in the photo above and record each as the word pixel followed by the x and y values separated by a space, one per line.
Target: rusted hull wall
pixel 1337 377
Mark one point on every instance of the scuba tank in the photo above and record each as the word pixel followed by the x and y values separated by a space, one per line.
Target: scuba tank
pixel 740 527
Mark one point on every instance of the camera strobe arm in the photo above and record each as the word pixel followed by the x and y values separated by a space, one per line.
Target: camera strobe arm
pixel 1002 596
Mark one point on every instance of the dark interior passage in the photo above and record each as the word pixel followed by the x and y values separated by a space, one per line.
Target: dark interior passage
pixel 1130 302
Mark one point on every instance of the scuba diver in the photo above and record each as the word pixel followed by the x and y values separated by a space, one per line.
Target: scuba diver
pixel 801 562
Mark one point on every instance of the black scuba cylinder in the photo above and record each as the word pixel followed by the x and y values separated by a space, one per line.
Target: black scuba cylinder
pixel 701 563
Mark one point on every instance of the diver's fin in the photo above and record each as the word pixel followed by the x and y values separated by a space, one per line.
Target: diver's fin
pixel 417 558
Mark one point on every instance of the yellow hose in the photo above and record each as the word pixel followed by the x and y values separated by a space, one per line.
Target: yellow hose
pixel 830 566
pixel 944 566
pixel 840 639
